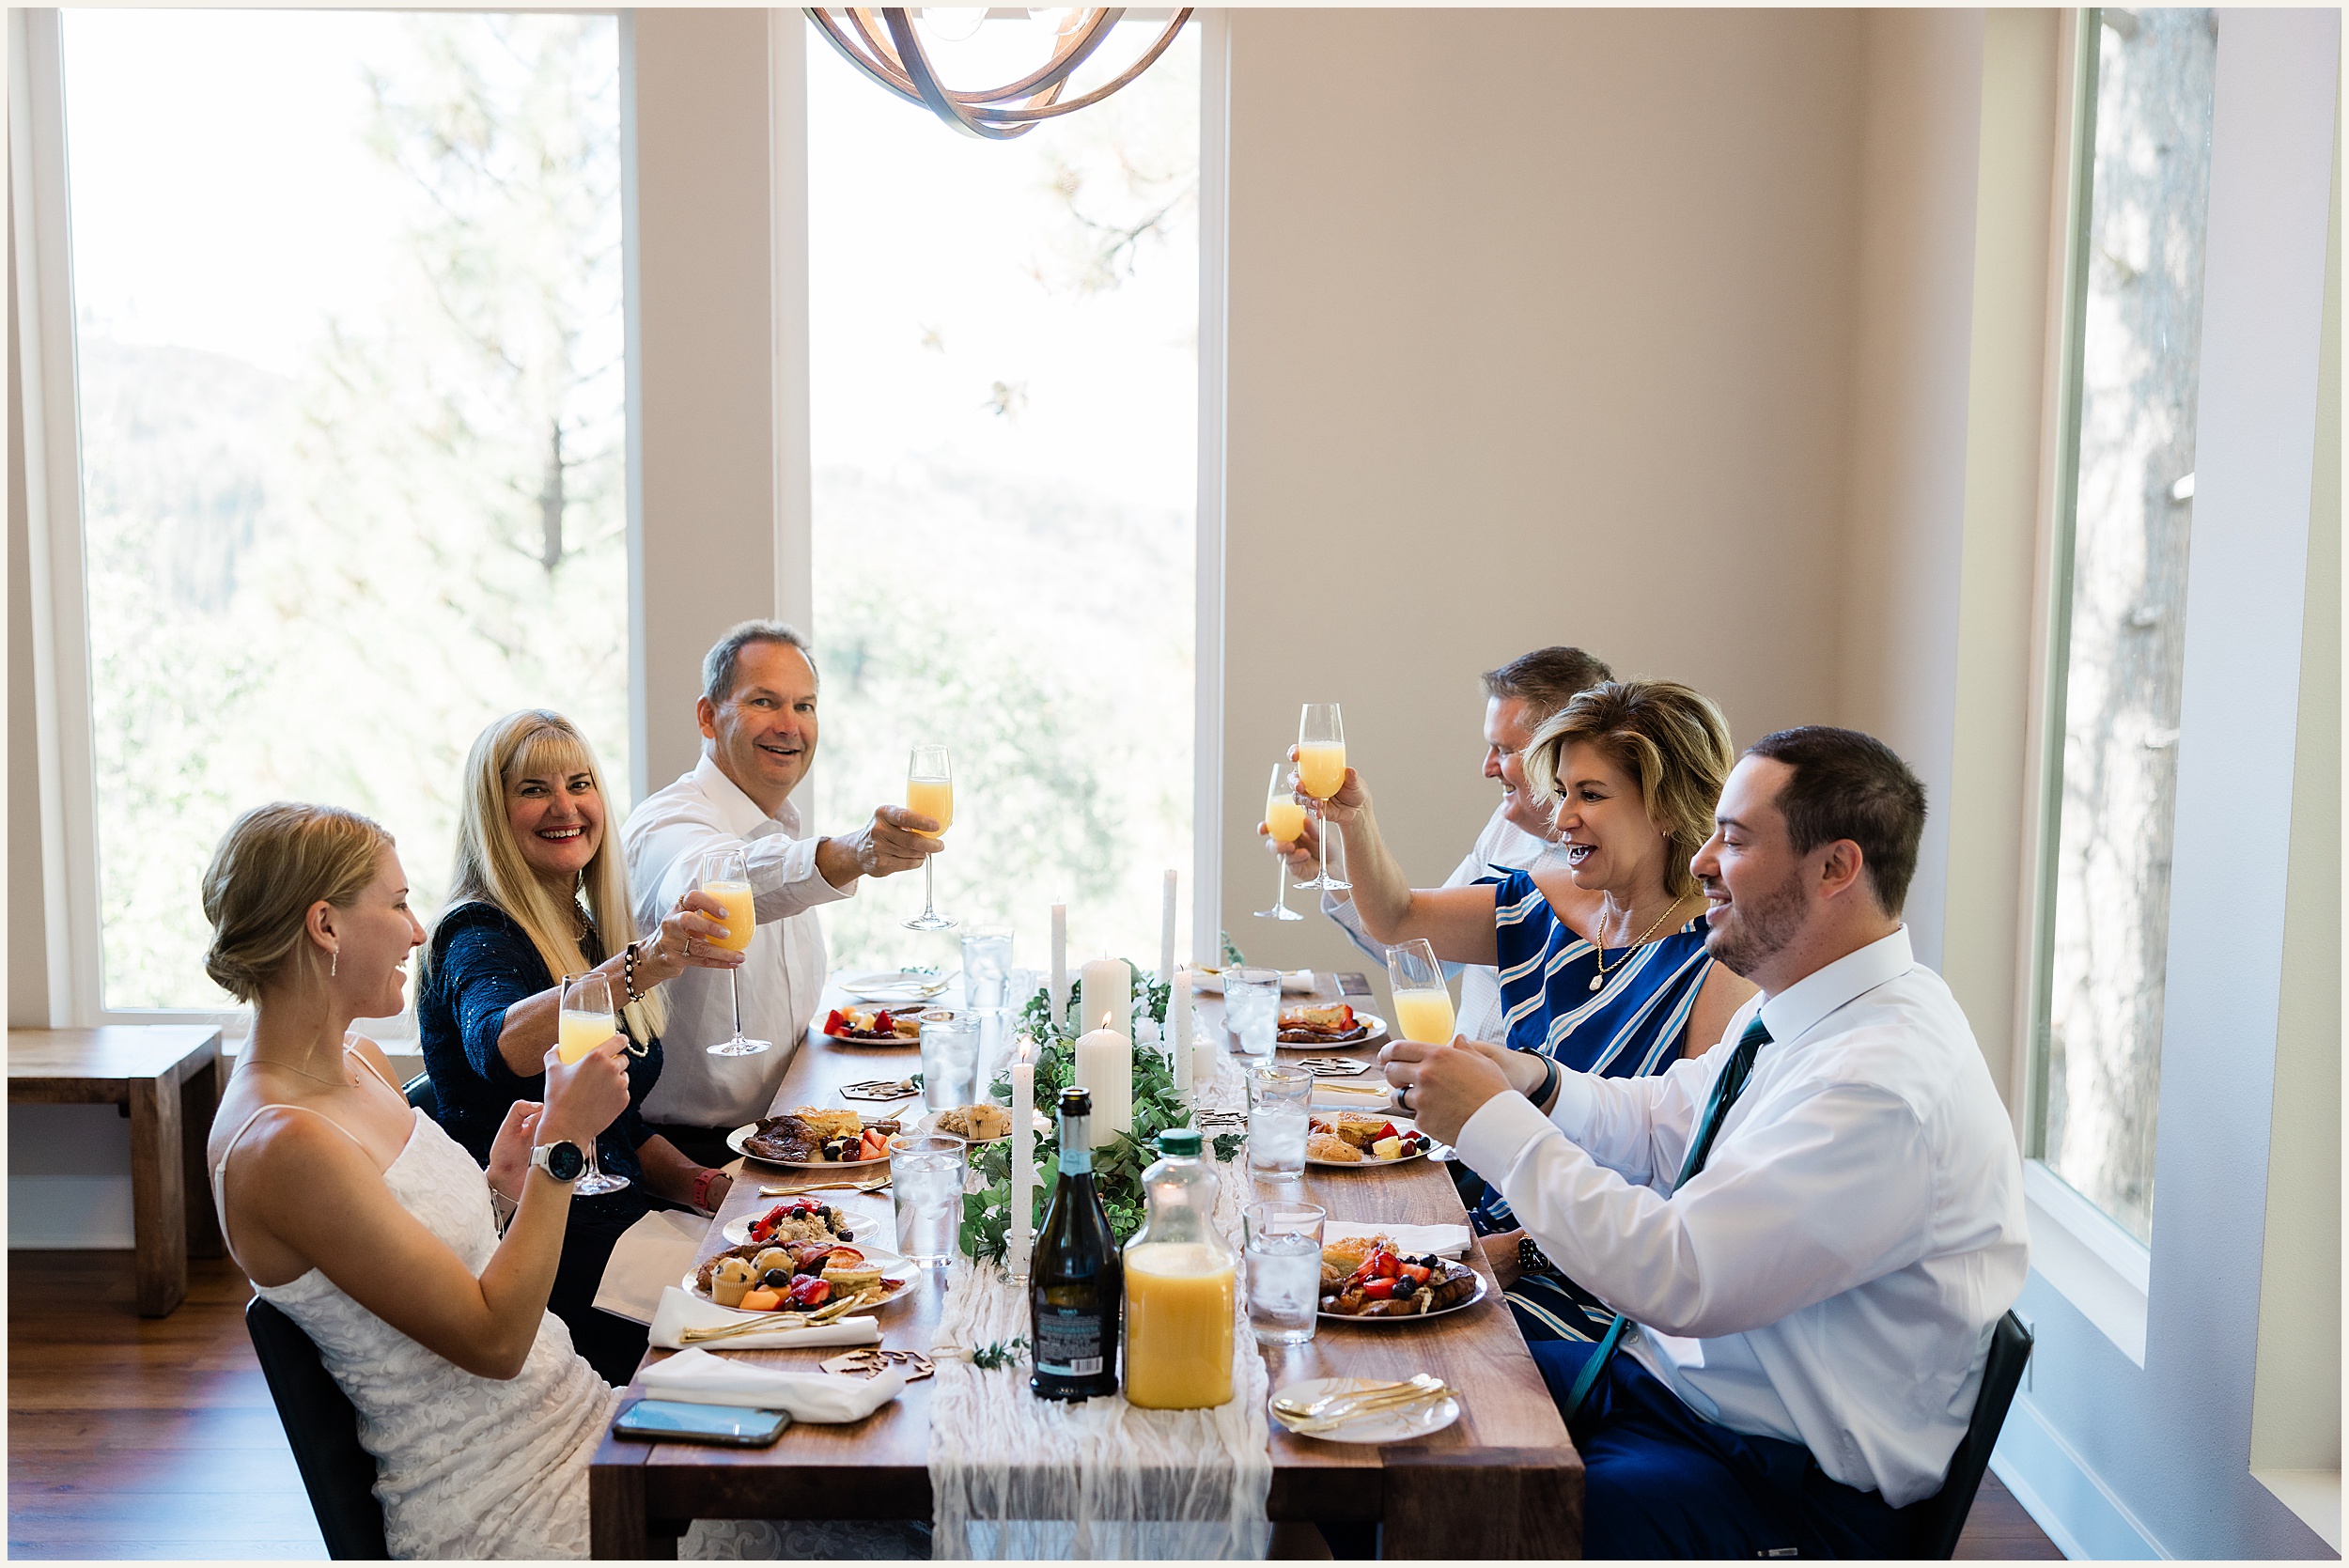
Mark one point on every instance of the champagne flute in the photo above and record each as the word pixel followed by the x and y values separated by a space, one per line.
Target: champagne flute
pixel 1422 1007
pixel 583 1023
pixel 1284 820
pixel 1320 771
pixel 727 878
pixel 930 791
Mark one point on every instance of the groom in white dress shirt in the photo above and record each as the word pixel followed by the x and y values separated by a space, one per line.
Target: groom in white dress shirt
pixel 1807 1239
pixel 758 717
pixel 1519 697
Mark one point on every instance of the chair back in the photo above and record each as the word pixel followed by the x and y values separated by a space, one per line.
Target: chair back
pixel 1941 1517
pixel 324 1431
pixel 422 1095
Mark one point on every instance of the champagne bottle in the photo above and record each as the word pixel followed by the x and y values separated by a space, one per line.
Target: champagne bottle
pixel 1075 1280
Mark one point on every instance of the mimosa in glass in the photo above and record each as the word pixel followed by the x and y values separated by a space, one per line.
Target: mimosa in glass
pixel 582 1022
pixel 930 791
pixel 1284 823
pixel 1422 1007
pixel 726 877
pixel 1321 772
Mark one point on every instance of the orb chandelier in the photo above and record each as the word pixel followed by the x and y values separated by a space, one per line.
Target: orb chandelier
pixel 881 42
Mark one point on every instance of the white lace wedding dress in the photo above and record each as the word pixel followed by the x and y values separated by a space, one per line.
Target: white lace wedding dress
pixel 469 1466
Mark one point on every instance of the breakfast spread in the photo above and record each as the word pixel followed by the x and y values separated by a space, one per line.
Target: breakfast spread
pixel 801 1220
pixel 878 1026
pixel 1356 1137
pixel 1332 1025
pixel 1366 1277
pixel 813 1136
pixel 803 1271
pixel 977 1124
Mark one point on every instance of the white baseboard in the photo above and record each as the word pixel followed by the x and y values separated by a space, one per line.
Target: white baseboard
pixel 2062 1495
pixel 70 1213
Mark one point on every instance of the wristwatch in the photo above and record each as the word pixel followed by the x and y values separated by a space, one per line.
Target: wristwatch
pixel 560 1159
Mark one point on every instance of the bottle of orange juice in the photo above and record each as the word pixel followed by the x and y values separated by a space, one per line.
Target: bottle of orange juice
pixel 1181 1286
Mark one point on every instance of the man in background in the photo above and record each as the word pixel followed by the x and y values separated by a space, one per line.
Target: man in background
pixel 1519 697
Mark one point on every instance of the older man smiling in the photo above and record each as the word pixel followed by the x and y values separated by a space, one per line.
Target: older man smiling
pixel 758 717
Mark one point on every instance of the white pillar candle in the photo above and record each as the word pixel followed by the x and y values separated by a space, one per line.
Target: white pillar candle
pixel 1166 936
pixel 1178 1033
pixel 1059 963
pixel 1105 1066
pixel 1108 986
pixel 1022 1159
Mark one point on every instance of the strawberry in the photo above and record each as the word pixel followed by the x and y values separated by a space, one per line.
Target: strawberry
pixel 837 1023
pixel 1378 1289
pixel 808 1292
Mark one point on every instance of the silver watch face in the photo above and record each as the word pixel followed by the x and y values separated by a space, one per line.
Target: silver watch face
pixel 562 1160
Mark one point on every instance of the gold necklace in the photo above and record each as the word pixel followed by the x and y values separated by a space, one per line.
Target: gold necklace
pixel 315 1078
pixel 1598 949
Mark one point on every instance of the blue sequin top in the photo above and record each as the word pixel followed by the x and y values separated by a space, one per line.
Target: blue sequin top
pixel 482 963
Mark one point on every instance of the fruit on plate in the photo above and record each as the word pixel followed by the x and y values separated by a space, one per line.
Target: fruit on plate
pixel 799 1220
pixel 809 1136
pixel 804 1273
pixel 1330 1024
pixel 1375 1135
pixel 1388 1284
pixel 879 1025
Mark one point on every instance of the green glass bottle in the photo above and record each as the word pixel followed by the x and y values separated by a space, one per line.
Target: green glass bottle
pixel 1076 1280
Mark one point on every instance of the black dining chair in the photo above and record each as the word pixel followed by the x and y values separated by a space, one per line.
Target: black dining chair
pixel 1941 1518
pixel 422 1095
pixel 324 1431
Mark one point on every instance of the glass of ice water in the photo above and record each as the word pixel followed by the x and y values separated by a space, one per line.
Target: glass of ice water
pixel 1283 1251
pixel 950 1058
pixel 986 966
pixel 926 1177
pixel 1251 1011
pixel 1277 1097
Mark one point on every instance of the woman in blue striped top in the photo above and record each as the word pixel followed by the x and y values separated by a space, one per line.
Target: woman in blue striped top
pixel 1603 968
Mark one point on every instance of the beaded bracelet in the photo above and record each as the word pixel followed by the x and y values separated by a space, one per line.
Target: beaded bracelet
pixel 627 971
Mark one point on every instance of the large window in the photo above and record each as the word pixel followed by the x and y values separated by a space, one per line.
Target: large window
pixel 349 342
pixel 1004 348
pixel 2122 604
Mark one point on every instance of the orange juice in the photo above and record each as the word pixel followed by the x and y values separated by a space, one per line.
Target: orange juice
pixel 933 798
pixel 1425 1016
pixel 577 1033
pixel 739 919
pixel 1321 767
pixel 1286 819
pixel 1179 1302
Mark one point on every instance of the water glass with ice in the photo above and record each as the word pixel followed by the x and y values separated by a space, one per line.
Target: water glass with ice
pixel 986 966
pixel 1283 1254
pixel 1277 1100
pixel 1251 1011
pixel 950 1058
pixel 926 1177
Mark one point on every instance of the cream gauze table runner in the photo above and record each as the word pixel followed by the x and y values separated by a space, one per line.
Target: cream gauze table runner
pixel 1015 1476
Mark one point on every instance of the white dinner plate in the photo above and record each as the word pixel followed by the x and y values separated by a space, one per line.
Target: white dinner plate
pixel 1370 1429
pixel 1482 1290
pixel 1370 1161
pixel 897 1275
pixel 735 1139
pixel 886 985
pixel 1374 1027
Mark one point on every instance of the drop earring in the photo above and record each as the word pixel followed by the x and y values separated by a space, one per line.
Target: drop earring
pixel 334 960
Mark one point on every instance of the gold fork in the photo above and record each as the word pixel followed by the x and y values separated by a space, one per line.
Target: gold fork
pixel 1421 1391
pixel 771 1321
pixel 1328 1404
pixel 873 1183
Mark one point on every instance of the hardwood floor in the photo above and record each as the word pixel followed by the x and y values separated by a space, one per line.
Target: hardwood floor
pixel 131 1438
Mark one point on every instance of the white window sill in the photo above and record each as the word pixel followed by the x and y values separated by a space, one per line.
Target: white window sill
pixel 2314 1495
pixel 2100 1268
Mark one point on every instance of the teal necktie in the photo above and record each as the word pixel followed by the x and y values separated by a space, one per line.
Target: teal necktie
pixel 1726 1089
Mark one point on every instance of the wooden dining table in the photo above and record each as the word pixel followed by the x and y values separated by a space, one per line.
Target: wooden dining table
pixel 1502 1481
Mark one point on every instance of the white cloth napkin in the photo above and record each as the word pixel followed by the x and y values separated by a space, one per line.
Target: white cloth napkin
pixel 680 1310
pixel 1350 1097
pixel 651 1254
pixel 706 1379
pixel 1445 1241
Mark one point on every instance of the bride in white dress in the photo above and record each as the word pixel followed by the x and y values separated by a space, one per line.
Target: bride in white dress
pixel 372 1229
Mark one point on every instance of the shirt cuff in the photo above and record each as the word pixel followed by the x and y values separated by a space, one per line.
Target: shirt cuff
pixel 1571 1112
pixel 1497 1137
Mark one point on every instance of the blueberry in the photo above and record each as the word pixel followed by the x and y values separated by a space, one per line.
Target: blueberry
pixel 777 1279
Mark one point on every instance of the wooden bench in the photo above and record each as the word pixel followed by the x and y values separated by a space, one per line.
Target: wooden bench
pixel 167 1079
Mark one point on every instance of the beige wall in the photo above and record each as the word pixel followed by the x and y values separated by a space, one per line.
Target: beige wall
pixel 1540 331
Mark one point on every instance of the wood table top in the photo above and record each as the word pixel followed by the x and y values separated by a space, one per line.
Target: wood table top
pixel 110 1051
pixel 1479 1351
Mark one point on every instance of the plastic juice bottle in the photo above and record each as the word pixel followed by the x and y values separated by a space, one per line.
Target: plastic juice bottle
pixel 1181 1286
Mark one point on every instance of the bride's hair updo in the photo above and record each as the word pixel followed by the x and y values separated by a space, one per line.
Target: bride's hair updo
pixel 274 863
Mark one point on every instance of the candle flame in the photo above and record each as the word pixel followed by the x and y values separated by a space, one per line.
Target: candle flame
pixel 1105 1016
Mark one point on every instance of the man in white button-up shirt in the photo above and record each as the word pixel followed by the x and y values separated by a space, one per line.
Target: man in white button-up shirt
pixel 1518 696
pixel 758 715
pixel 1810 1309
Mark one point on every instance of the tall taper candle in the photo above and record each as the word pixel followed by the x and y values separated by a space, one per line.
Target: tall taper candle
pixel 1178 1030
pixel 1023 1160
pixel 1060 964
pixel 1166 936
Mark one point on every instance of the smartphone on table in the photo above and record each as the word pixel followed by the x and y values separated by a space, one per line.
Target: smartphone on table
pixel 674 1420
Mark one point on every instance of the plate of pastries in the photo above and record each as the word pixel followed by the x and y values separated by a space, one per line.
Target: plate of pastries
pixel 812 1137
pixel 1329 1024
pixel 1370 1280
pixel 1343 1138
pixel 799 1275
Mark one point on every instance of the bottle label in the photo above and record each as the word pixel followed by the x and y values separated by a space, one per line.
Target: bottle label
pixel 1068 1342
